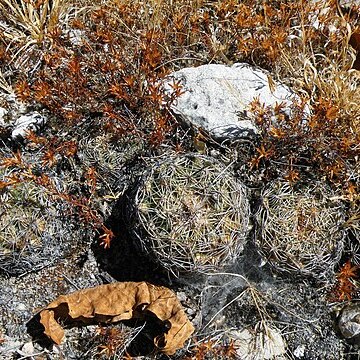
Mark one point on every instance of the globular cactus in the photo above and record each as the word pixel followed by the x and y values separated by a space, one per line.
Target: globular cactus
pixel 300 230
pixel 191 213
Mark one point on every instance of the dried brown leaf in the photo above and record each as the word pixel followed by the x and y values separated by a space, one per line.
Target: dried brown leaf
pixel 120 301
pixel 52 328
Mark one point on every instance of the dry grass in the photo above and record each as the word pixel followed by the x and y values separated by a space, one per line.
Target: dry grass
pixel 4 86
pixel 28 25
pixel 107 59
pixel 30 17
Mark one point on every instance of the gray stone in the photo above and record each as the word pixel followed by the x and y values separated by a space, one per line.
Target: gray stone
pixel 27 349
pixel 349 323
pixel 217 98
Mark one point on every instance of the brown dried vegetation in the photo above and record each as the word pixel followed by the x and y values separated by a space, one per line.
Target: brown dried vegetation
pixel 346 286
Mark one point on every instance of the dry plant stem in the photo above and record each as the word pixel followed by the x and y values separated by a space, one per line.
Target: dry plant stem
pixel 260 300
pixel 230 302
pixel 103 62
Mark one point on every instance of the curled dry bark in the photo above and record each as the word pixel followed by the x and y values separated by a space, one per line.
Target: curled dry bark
pixel 121 301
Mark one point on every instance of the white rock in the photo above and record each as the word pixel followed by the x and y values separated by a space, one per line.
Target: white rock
pixel 27 122
pixel 266 343
pixel 217 98
pixel 3 112
pixel 299 352
pixel 28 348
pixel 181 295
pixel 21 307
pixel 349 322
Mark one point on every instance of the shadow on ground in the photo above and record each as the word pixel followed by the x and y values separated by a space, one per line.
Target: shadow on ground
pixel 125 260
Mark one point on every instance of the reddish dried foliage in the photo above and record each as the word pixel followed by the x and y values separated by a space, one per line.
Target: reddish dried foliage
pixel 345 287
